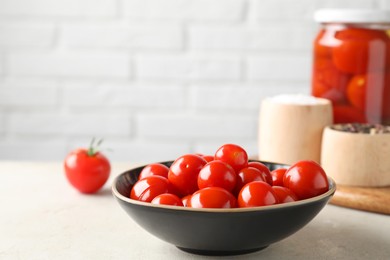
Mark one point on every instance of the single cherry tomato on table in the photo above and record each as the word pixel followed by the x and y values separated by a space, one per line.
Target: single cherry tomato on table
pixel 87 169
pixel 217 174
pixel 284 194
pixel 149 187
pixel 257 193
pixel 154 169
pixel 212 197
pixel 277 176
pixel 183 173
pixel 306 179
pixel 167 199
pixel 233 155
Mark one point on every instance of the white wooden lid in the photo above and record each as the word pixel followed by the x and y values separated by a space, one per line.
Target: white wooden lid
pixel 352 16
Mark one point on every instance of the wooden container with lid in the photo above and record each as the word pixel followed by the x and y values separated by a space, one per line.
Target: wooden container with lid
pixel 290 128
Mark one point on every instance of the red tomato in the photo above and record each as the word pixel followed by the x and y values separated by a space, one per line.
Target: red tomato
pixel 183 173
pixel 233 155
pixel 149 187
pixel 257 193
pixel 263 169
pixel 328 81
pixel 277 176
pixel 368 92
pixel 321 50
pixel 347 114
pixel 212 197
pixel 325 41
pixel 167 199
pixel 217 174
pixel 186 200
pixel 154 169
pixel 284 194
pixel 208 158
pixel 386 99
pixel 356 91
pixel 87 170
pixel 247 175
pixel 306 179
pixel 352 54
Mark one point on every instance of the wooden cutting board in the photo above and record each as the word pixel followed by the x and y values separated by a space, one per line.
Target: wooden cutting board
pixel 367 199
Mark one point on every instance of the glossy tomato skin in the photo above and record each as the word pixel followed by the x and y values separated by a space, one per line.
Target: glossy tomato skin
pixel 212 197
pixel 352 55
pixel 185 200
pixel 328 81
pixel 264 171
pixel 356 91
pixel 247 175
pixel 277 176
pixel 208 158
pixel 154 169
pixel 149 187
pixel 284 194
pixel 183 173
pixel 233 155
pixel 217 174
pixel 255 194
pixel 369 94
pixel 167 199
pixel 306 179
pixel 87 173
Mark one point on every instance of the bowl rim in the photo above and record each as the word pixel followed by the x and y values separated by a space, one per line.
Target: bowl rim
pixel 115 192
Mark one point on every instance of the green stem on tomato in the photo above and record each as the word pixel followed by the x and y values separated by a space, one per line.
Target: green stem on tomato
pixel 93 149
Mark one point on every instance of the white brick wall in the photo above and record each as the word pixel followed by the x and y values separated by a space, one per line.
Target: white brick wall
pixel 58 8
pixel 188 67
pixel 185 10
pixel 284 66
pixel 69 64
pixel 118 35
pixel 249 38
pixel 28 93
pixel 27 34
pixel 50 124
pixel 1 64
pixel 155 78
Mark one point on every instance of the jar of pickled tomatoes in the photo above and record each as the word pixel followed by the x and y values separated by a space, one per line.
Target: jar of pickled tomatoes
pixel 351 64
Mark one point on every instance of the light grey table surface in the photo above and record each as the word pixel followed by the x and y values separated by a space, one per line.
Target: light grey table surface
pixel 42 217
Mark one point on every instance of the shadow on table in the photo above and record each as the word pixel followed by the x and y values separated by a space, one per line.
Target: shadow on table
pixel 323 240
pixel 106 191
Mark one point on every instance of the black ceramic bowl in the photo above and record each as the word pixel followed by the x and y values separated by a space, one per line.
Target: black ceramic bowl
pixel 218 231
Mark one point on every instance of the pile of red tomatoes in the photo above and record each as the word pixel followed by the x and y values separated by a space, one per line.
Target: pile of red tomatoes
pixel 227 180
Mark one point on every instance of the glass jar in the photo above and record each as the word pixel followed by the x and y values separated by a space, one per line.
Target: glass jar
pixel 351 64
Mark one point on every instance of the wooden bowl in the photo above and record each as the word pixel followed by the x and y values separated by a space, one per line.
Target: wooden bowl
pixel 356 159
